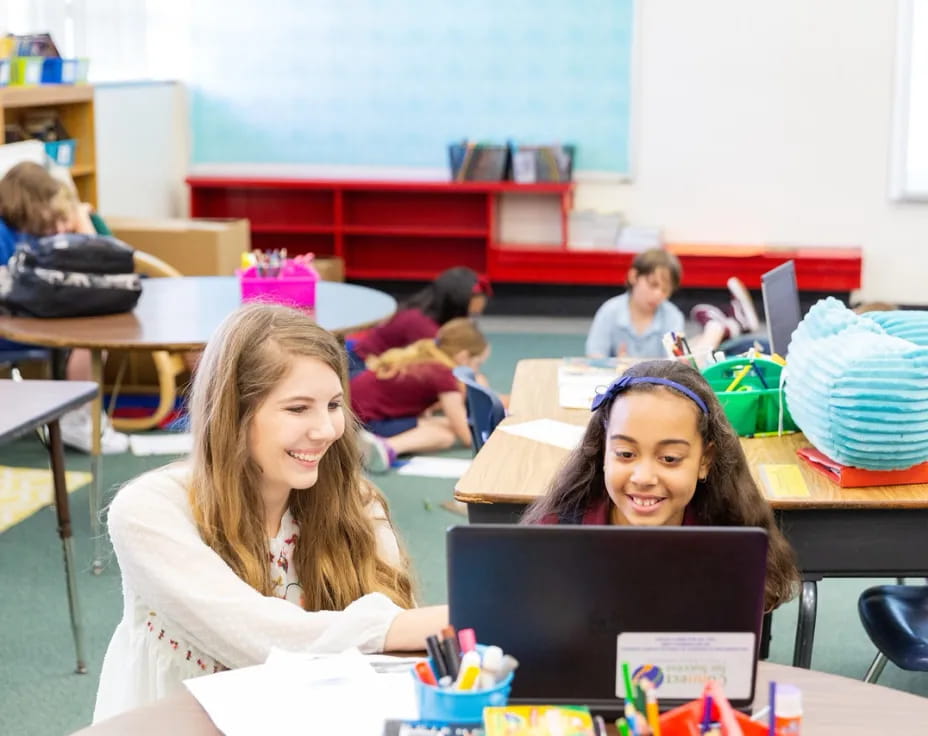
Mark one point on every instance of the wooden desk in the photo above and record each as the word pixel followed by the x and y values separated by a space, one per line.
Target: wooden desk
pixel 26 406
pixel 832 705
pixel 836 532
pixel 176 315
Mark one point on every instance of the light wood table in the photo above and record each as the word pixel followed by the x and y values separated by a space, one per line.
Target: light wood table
pixel 28 405
pixel 177 314
pixel 836 532
pixel 832 705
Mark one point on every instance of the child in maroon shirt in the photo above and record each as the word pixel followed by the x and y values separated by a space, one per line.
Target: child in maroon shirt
pixel 396 395
pixel 659 451
pixel 456 292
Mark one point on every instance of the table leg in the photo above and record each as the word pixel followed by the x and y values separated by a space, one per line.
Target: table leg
pixel 96 412
pixel 63 512
pixel 60 363
pixel 805 624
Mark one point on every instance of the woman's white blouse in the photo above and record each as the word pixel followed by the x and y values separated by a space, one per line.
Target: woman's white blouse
pixel 186 613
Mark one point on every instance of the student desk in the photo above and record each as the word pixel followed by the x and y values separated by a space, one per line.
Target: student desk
pixel 178 314
pixel 28 405
pixel 836 532
pixel 832 705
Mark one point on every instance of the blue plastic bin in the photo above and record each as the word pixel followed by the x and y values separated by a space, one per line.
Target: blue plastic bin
pixel 443 705
pixel 56 70
pixel 62 152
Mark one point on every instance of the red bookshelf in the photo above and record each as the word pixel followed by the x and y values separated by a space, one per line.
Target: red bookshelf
pixel 414 230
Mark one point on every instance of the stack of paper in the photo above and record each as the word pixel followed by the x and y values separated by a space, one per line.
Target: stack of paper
pixel 294 694
pixel 580 379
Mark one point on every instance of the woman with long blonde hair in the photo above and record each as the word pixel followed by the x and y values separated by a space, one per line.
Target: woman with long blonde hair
pixel 268 536
pixel 396 397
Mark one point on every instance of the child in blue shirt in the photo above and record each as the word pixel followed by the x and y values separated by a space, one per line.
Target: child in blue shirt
pixel 633 324
pixel 34 204
pixel 659 451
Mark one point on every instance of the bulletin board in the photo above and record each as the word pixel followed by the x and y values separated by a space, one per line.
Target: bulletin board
pixel 393 82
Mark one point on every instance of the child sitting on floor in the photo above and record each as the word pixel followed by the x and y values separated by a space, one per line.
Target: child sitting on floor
pixel 396 396
pixel 455 292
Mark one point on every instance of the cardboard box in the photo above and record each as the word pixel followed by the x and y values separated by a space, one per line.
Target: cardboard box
pixel 330 268
pixel 199 247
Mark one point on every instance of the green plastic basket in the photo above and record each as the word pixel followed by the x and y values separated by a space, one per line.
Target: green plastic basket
pixel 751 408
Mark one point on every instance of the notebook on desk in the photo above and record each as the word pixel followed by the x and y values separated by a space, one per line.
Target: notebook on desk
pixel 571 603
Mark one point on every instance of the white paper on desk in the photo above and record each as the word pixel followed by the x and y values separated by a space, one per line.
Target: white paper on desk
pixel 173 443
pixel 577 391
pixel 435 467
pixel 549 431
pixel 296 695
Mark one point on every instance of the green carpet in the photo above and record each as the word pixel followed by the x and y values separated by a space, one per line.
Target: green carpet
pixel 41 695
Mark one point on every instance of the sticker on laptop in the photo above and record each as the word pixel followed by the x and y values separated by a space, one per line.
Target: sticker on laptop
pixel 680 664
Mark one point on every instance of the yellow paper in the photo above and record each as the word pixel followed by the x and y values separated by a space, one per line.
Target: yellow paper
pixel 783 481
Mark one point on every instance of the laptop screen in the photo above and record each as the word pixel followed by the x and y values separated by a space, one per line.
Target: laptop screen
pixel 781 305
pixel 558 598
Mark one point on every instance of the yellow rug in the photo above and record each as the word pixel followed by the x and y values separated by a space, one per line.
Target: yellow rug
pixel 23 491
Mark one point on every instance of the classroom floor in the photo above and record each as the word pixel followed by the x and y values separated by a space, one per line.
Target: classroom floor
pixel 41 695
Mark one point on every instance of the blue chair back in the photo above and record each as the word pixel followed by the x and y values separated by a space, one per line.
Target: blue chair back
pixel 484 409
pixel 24 354
pixel 895 618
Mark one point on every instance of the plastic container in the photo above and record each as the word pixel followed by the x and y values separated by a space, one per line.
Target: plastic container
pixel 26 70
pixel 685 720
pixel 444 705
pixel 4 72
pixel 788 716
pixel 62 152
pixel 751 408
pixel 295 286
pixel 56 70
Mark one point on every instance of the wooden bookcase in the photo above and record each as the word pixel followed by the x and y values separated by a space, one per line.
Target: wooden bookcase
pixel 74 105
pixel 414 230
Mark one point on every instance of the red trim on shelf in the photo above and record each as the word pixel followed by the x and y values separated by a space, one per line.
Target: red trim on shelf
pixel 219 182
pixel 413 231
pixel 293 229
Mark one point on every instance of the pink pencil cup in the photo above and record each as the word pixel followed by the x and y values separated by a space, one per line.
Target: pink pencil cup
pixel 294 286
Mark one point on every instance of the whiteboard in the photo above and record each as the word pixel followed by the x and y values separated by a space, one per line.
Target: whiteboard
pixel 393 82
pixel 909 175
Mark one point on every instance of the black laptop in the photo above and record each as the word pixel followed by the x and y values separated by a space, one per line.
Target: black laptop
pixel 559 597
pixel 781 305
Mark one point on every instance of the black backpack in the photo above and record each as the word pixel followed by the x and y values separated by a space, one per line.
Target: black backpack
pixel 71 275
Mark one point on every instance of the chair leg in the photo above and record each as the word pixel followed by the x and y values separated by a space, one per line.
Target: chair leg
pixel 876 668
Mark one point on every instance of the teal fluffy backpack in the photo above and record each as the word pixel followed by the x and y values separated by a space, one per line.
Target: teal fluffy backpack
pixel 857 385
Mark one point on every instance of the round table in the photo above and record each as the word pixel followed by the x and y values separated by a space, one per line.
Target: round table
pixel 178 314
pixel 181 314
pixel 832 706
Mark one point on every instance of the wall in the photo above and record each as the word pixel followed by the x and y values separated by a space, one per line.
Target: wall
pixel 752 123
pixel 142 149
pixel 393 82
pixel 771 123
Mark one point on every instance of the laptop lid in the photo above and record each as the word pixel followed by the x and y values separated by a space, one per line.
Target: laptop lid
pixel 558 597
pixel 781 305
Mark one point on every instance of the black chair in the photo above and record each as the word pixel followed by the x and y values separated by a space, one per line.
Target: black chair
pixel 484 409
pixel 895 618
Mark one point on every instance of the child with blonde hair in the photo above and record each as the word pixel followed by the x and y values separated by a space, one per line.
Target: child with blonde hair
pixel 396 394
pixel 34 204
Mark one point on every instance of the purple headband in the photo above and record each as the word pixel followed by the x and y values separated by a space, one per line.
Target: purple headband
pixel 623 382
